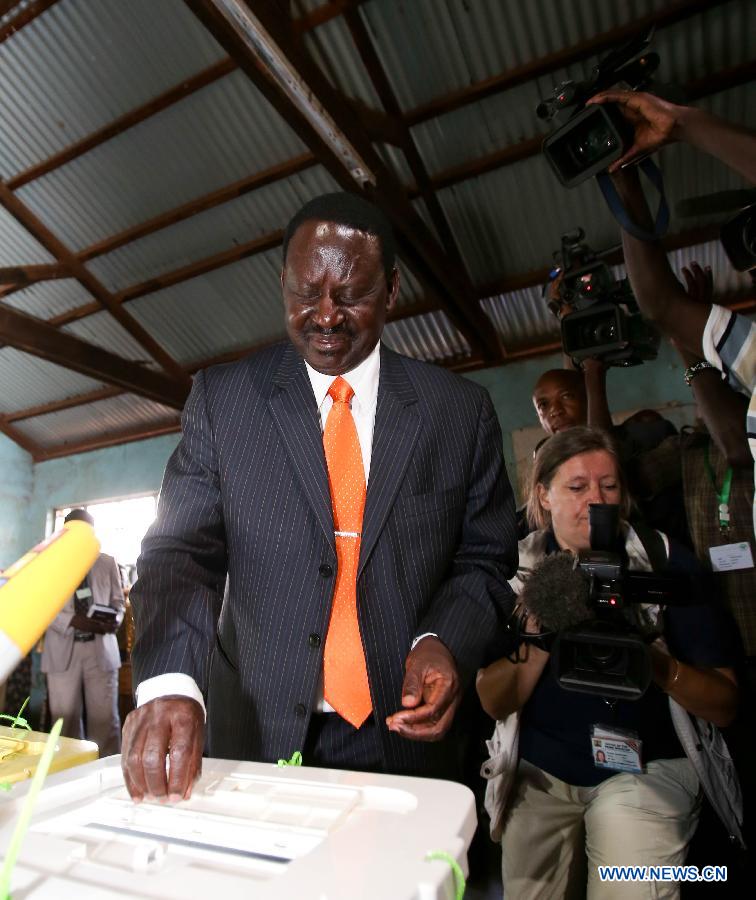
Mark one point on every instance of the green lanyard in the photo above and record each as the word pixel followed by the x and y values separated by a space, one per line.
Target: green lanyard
pixel 723 496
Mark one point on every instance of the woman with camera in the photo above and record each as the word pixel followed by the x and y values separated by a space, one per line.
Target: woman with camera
pixel 603 782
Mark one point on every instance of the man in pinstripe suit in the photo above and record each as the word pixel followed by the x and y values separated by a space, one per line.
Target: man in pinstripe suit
pixel 245 505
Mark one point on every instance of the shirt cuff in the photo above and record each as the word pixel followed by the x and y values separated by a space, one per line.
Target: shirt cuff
pixel 420 637
pixel 718 320
pixel 168 684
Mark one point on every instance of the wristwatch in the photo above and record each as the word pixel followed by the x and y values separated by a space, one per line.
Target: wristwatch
pixel 695 369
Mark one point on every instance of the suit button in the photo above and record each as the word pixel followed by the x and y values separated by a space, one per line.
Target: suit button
pixel 314 640
pixel 325 570
pixel 301 710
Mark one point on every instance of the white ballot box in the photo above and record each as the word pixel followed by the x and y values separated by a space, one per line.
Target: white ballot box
pixel 250 830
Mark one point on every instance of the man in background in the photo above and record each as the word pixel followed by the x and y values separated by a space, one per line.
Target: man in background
pixel 81 657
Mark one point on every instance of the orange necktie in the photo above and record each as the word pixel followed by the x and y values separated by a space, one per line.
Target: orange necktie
pixel 345 678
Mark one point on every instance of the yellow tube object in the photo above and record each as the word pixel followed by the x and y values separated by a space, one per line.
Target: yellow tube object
pixel 36 587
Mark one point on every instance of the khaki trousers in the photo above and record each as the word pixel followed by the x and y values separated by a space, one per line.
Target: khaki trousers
pixel 84 685
pixel 554 831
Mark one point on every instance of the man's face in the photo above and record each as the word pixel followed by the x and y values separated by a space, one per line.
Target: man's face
pixel 335 295
pixel 560 401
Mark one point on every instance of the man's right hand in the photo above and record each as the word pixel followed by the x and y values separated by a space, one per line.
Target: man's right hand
pixel 172 726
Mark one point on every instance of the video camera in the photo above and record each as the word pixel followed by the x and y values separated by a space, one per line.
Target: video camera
pixel 591 607
pixel 606 323
pixel 593 137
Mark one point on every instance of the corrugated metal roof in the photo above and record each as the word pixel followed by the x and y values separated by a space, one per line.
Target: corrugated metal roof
pixel 80 65
pixel 333 49
pixel 29 381
pixel 218 229
pixel 123 55
pixel 429 48
pixel 431 337
pixel 50 298
pixel 228 309
pixel 216 136
pixel 80 423
pixel 521 318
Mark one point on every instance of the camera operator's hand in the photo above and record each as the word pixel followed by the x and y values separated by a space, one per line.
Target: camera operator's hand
pixel 699 283
pixel 655 121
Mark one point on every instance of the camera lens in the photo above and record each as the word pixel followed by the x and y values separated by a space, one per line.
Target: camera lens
pixel 593 143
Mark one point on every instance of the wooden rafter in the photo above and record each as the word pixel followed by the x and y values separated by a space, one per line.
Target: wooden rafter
pixel 112 439
pixel 26 15
pixel 123 123
pixel 39 339
pixel 322 14
pixel 200 204
pixel 545 65
pixel 43 409
pixel 23 215
pixel 23 276
pixel 203 266
pixel 17 437
pixel 428 261
pixel 388 98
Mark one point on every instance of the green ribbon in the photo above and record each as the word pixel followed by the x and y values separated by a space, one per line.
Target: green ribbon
pixel 459 876
pixel 27 810
pixel 18 721
pixel 296 760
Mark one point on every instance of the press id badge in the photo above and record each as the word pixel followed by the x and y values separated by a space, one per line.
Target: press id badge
pixel 616 749
pixel 731 557
pixel 83 593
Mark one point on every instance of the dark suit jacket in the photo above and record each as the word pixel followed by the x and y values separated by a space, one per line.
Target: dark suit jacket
pixel 246 493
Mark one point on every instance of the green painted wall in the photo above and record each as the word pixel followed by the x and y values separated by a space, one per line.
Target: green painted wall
pixel 16 477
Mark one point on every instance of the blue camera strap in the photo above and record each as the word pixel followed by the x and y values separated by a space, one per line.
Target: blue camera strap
pixel 654 175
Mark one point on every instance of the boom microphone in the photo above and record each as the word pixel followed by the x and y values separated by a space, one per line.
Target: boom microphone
pixel 557 593
pixel 36 587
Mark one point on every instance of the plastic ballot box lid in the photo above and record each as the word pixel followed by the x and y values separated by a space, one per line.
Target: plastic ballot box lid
pixel 250 830
pixel 20 751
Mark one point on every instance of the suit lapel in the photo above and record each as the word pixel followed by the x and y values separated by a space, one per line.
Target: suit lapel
pixel 292 405
pixel 397 427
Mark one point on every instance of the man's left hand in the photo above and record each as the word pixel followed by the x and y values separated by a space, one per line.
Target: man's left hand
pixel 430 693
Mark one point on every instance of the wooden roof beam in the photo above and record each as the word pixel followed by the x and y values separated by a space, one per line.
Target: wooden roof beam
pixel 23 215
pixel 123 123
pixel 200 204
pixel 545 65
pixel 111 439
pixel 66 403
pixel 23 276
pixel 23 17
pixel 428 260
pixel 17 437
pixel 388 98
pixel 40 339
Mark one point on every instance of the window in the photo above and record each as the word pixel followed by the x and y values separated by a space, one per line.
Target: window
pixel 120 525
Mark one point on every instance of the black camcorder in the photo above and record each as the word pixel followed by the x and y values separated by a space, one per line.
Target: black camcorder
pixel 608 653
pixel 593 137
pixel 738 237
pixel 606 323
